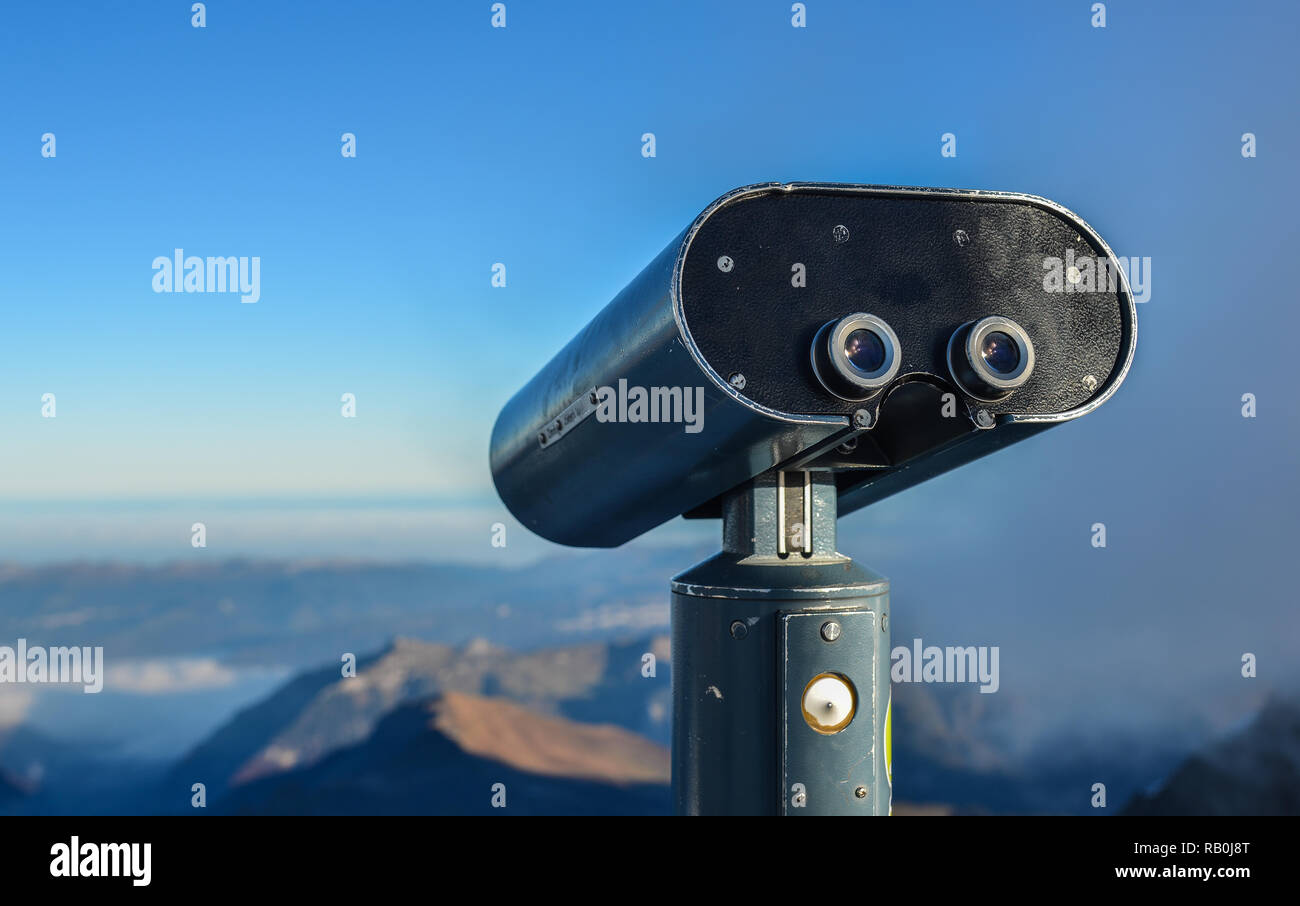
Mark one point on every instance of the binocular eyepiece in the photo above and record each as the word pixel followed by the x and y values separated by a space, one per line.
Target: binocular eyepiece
pixel 990 358
pixel 857 356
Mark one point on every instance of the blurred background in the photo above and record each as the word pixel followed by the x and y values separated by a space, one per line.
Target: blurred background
pixel 371 536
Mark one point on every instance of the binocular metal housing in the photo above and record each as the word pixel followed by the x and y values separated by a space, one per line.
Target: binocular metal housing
pixel 884 334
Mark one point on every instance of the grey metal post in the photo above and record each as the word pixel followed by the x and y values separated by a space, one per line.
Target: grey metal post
pixel 780 656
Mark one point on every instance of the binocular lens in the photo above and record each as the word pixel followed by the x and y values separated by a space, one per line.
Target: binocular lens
pixel 856 356
pixel 865 350
pixel 1000 352
pixel 990 357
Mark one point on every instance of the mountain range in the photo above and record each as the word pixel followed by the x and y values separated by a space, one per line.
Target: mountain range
pixel 531 678
pixel 321 713
pixel 458 754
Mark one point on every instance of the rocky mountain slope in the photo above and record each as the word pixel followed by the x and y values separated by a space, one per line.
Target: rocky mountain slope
pixel 1254 772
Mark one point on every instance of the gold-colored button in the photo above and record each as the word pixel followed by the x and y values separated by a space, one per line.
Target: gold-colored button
pixel 829 702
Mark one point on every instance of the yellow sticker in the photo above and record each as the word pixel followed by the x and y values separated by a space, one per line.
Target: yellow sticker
pixel 889 748
pixel 889 741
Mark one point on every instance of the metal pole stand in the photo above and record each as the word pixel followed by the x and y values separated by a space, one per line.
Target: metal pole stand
pixel 780 649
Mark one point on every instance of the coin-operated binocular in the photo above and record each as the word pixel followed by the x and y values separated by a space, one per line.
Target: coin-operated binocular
pixel 798 352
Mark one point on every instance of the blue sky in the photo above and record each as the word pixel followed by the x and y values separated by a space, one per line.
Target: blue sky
pixel 522 145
